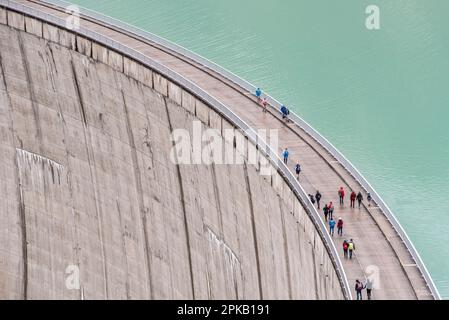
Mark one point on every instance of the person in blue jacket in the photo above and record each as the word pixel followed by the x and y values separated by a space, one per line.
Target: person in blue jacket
pixel 258 94
pixel 285 112
pixel 285 155
pixel 331 226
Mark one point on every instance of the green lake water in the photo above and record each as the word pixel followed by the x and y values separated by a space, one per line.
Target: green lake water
pixel 381 97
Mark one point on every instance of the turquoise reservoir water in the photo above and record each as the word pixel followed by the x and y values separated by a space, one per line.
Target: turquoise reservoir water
pixel 381 97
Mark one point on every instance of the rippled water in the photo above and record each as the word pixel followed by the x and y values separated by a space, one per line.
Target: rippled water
pixel 380 96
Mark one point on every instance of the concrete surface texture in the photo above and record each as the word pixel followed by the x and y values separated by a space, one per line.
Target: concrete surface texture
pixel 87 184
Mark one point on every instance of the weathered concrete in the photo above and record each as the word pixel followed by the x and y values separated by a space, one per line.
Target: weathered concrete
pixel 16 20
pixel 160 84
pixel 33 26
pixel 84 46
pixel 138 72
pixel 3 16
pixel 100 53
pixel 87 180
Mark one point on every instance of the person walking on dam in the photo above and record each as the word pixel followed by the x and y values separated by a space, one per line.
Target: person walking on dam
pixel 369 287
pixel 285 155
pixel 345 248
pixel 285 112
pixel 264 105
pixel 359 198
pixel 352 198
pixel 340 227
pixel 358 289
pixel 312 199
pixel 369 198
pixel 326 212
pixel 331 209
pixel 351 248
pixel 298 170
pixel 258 94
pixel 341 195
pixel 331 226
pixel 318 198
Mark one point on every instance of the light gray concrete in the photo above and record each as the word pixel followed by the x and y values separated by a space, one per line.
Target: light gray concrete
pixel 86 180
pixel 33 26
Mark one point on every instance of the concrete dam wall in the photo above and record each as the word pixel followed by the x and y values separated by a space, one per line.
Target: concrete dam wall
pixel 93 207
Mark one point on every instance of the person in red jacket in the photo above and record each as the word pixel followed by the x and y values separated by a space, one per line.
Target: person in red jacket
pixel 341 195
pixel 352 197
pixel 340 227
pixel 331 210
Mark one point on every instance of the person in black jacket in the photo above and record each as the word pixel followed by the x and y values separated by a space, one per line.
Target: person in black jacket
pixel 325 211
pixel 318 198
pixel 359 198
pixel 312 199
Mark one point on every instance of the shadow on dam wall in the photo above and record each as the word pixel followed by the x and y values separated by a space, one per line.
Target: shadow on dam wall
pixel 91 197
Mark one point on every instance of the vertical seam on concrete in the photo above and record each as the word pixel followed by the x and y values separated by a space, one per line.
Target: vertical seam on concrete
pixel 253 227
pixel 314 268
pixel 217 199
pixel 128 296
pixel 286 250
pixel 22 217
pixel 97 210
pixel 139 190
pixel 30 89
pixel 181 189
pixel 78 93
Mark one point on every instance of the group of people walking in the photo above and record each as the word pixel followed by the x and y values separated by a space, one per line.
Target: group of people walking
pixel 352 197
pixel 328 209
pixel 264 103
pixel 359 287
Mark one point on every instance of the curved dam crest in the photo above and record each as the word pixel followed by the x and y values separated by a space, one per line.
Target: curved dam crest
pixel 87 181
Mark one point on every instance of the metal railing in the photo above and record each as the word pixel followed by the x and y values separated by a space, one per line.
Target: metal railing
pixel 115 23
pixel 249 132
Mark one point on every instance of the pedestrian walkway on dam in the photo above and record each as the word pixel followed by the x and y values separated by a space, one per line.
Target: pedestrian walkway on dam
pixel 379 252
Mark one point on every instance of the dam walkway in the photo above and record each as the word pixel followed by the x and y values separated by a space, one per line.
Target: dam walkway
pixel 380 251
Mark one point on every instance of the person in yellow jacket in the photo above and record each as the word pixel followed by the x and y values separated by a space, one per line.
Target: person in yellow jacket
pixel 351 248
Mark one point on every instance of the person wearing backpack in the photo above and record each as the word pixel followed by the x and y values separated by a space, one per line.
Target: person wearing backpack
pixel 340 227
pixel 298 169
pixel 345 248
pixel 358 289
pixel 369 198
pixel 285 112
pixel 318 198
pixel 351 248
